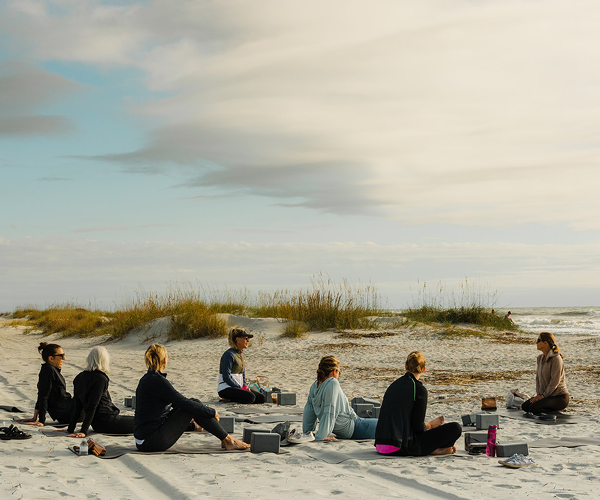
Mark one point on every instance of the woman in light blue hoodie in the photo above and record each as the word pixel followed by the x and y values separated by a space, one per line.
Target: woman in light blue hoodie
pixel 328 405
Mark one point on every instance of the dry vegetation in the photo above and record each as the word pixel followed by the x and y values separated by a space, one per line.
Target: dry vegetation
pixel 368 335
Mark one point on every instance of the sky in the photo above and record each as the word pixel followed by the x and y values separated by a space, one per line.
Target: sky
pixel 256 144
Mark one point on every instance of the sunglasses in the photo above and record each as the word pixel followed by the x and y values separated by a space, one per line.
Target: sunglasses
pixel 538 341
pixel 59 355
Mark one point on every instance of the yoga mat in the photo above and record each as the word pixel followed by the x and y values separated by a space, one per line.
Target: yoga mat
pixel 567 442
pixel 337 457
pixel 267 410
pixel 561 418
pixel 57 425
pixel 116 451
pixel 12 409
pixel 270 419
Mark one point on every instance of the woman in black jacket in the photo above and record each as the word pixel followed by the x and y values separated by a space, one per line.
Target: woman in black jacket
pixel 92 396
pixel 162 414
pixel 401 429
pixel 52 397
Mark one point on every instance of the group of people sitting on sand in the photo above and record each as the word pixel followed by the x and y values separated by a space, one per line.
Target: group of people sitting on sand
pixel 162 414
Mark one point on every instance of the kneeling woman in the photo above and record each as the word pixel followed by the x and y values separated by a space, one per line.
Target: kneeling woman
pixel 402 429
pixel 162 414
pixel 550 386
pixel 91 395
pixel 328 404
pixel 232 370
pixel 52 396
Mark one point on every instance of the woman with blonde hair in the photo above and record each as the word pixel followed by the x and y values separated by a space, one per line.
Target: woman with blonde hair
pixel 162 414
pixel 550 385
pixel 328 405
pixel 231 385
pixel 402 429
pixel 92 397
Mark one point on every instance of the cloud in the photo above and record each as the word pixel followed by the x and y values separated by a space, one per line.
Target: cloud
pixel 472 113
pixel 47 270
pixel 23 90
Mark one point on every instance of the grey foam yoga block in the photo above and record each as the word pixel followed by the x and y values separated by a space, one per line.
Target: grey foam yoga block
pixel 133 401
pixel 268 398
pixel 248 431
pixel 375 412
pixel 475 437
pixel 286 398
pixel 127 402
pixel 509 449
pixel 264 442
pixel 486 420
pixel 228 424
pixel 362 409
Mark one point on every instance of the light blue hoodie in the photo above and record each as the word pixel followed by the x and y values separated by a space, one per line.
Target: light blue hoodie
pixel 328 404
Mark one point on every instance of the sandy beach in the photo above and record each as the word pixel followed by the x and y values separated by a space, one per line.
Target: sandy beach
pixel 460 369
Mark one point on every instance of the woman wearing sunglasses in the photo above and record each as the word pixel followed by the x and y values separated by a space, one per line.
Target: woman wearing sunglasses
pixel 550 386
pixel 53 397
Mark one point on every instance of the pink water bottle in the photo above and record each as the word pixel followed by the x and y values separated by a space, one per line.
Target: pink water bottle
pixel 490 449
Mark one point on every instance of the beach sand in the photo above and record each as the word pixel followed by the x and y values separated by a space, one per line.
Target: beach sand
pixel 460 370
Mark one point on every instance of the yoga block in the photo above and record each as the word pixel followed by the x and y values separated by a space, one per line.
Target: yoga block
pixel 375 412
pixel 248 431
pixel 264 442
pixel 133 402
pixel 509 449
pixel 286 398
pixel 362 401
pixel 486 420
pixel 471 418
pixel 128 402
pixel 268 397
pixel 228 424
pixel 475 437
pixel 362 410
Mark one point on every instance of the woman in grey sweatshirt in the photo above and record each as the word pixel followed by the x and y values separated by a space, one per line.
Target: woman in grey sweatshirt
pixel 328 405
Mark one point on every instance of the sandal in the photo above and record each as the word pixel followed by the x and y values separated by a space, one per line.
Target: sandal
pixel 13 432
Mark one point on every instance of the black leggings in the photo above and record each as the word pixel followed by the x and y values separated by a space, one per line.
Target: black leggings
pixel 551 403
pixel 176 423
pixel 115 424
pixel 242 396
pixel 442 436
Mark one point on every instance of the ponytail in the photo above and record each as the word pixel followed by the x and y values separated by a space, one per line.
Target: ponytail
pixel 549 338
pixel 47 350
pixel 326 366
pixel 155 357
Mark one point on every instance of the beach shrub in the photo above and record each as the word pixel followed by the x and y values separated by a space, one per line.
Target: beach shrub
pixel 294 329
pixel 196 320
pixel 68 320
pixel 468 303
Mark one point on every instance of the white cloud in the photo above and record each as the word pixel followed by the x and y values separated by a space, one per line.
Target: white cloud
pixel 474 113
pixel 47 270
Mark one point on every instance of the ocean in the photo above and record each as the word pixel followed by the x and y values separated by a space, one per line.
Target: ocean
pixel 557 320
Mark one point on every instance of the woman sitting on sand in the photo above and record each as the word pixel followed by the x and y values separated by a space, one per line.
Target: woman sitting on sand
pixel 328 404
pixel 402 429
pixel 162 414
pixel 53 397
pixel 550 386
pixel 232 370
pixel 92 396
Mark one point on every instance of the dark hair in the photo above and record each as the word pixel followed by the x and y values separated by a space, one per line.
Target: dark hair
pixel 47 350
pixel 548 337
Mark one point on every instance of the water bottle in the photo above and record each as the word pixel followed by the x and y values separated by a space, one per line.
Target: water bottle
pixel 83 447
pixel 490 449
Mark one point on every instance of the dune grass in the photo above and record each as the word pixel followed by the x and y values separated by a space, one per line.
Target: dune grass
pixel 194 310
pixel 469 303
pixel 294 329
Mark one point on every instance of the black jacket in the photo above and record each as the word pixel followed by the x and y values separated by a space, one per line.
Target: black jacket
pixel 402 414
pixel 91 395
pixel 53 397
pixel 155 396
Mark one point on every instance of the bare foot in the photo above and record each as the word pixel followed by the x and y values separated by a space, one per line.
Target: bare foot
pixel 230 443
pixel 445 451
pixel 197 428
pixel 223 400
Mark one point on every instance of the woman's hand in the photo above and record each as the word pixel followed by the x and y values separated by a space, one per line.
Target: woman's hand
pixel 217 416
pixel 76 435
pixel 536 398
pixel 330 438
pixel 26 420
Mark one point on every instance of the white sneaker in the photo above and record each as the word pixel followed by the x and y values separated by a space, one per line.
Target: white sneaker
pixel 517 461
pixel 297 437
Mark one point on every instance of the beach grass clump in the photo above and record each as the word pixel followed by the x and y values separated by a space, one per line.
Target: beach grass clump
pixel 323 305
pixel 469 303
pixel 196 320
pixel 67 320
pixel 294 329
